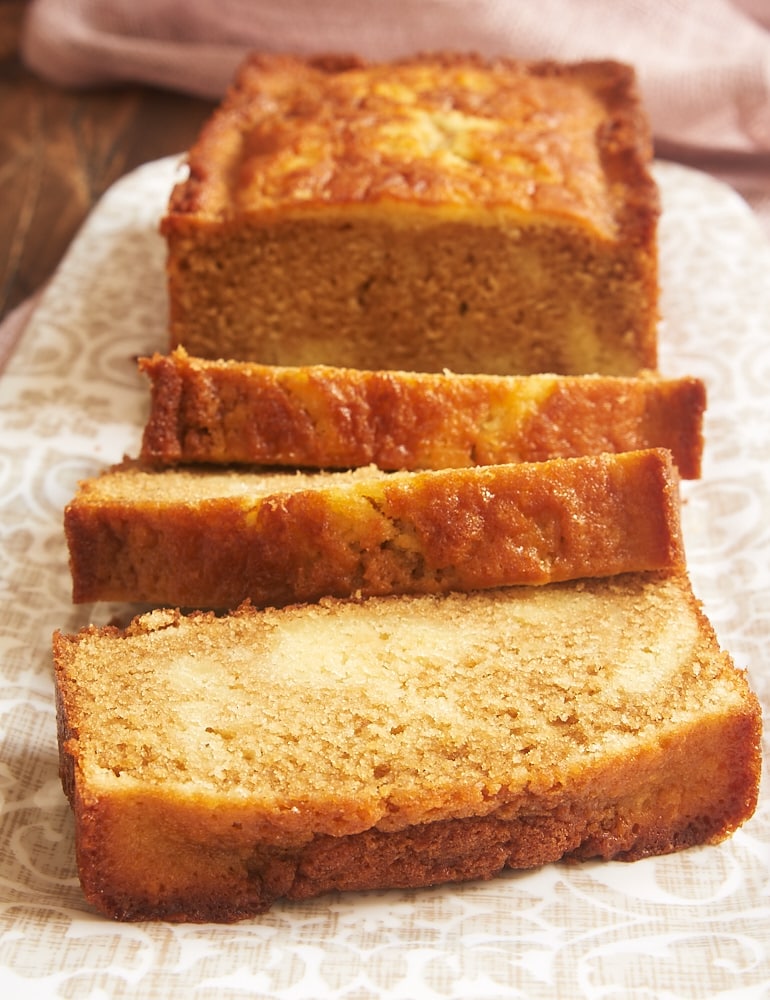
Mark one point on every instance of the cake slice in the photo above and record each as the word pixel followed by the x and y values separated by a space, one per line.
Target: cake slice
pixel 203 538
pixel 323 417
pixel 216 764
pixel 440 211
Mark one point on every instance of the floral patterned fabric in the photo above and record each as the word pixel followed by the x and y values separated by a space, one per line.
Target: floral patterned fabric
pixel 690 925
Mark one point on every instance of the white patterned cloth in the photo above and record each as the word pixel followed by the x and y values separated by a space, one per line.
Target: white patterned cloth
pixel 693 925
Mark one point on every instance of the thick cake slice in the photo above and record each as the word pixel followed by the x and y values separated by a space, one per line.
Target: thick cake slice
pixel 216 764
pixel 212 538
pixel 437 212
pixel 322 417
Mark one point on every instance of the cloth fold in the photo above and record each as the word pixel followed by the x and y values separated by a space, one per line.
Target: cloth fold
pixel 704 65
pixel 13 327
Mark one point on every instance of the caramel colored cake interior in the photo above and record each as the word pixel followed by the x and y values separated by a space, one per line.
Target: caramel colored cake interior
pixel 215 764
pixel 439 212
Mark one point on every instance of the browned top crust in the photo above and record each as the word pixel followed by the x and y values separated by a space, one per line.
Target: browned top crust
pixel 449 133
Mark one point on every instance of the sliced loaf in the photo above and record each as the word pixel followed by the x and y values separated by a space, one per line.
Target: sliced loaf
pixel 203 538
pixel 215 764
pixel 229 412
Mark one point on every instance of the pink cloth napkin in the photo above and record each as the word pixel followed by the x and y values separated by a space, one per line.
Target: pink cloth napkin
pixel 703 65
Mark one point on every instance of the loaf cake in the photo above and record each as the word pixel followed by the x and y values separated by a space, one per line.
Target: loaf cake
pixel 232 412
pixel 442 211
pixel 215 764
pixel 211 538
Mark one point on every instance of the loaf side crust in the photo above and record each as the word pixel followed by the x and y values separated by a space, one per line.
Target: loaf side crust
pixel 226 412
pixel 211 538
pixel 581 752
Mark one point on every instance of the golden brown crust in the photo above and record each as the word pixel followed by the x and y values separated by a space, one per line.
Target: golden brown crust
pixel 624 812
pixel 226 412
pixel 433 130
pixel 206 538
pixel 441 211
pixel 634 761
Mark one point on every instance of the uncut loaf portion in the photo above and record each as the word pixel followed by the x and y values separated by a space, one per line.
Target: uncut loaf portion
pixel 211 538
pixel 440 211
pixel 231 412
pixel 215 764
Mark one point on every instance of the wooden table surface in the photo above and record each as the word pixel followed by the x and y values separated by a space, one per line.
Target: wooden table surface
pixel 61 149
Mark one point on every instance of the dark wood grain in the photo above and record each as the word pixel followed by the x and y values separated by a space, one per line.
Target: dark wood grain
pixel 61 149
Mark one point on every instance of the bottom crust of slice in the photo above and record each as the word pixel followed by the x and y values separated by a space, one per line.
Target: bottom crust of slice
pixel 149 858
